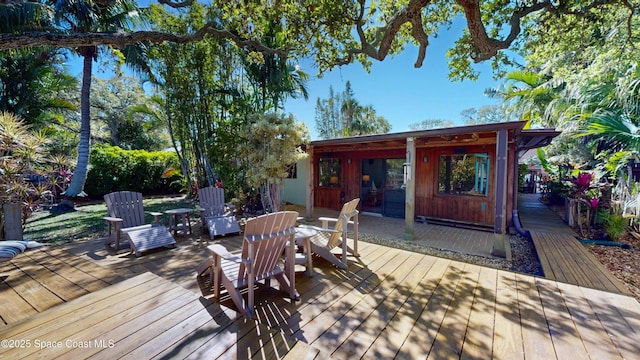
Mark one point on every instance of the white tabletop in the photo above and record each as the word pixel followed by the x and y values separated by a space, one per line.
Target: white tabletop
pixel 178 211
pixel 305 232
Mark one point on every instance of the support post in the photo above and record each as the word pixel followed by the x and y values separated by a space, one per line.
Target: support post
pixel 500 224
pixel 310 183
pixel 410 189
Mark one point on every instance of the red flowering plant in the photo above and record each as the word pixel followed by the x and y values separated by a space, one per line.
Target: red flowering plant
pixel 585 192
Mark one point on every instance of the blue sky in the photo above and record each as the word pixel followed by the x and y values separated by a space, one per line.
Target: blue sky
pixel 401 93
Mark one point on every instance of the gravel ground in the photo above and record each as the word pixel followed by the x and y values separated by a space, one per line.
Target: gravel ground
pixel 524 259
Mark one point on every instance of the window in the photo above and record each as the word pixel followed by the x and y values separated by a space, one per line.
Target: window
pixel 329 172
pixel 464 174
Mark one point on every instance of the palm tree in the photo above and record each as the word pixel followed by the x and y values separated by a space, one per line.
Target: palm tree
pixel 85 16
pixel 274 76
pixel 612 111
pixel 528 94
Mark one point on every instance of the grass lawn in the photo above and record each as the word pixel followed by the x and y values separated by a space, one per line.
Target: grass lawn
pixel 87 221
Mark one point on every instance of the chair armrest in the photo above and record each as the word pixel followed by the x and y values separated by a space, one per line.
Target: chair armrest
pixel 222 252
pixel 113 220
pixel 326 220
pixel 317 228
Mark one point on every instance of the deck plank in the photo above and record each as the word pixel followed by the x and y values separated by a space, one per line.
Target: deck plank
pixel 565 259
pixel 390 339
pixel 592 332
pixel 433 315
pixel 562 328
pixel 536 340
pixel 482 318
pixel 448 342
pixel 390 304
pixel 359 327
pixel 621 316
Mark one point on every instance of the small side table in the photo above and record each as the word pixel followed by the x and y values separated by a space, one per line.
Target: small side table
pixel 303 238
pixel 185 222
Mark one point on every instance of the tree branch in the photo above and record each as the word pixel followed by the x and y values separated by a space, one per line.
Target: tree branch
pixel 484 46
pixel 176 4
pixel 120 39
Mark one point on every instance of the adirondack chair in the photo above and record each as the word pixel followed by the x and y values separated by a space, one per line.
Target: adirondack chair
pixel 327 239
pixel 126 220
pixel 213 213
pixel 265 239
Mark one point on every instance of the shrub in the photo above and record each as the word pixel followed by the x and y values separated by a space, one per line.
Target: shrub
pixel 115 169
pixel 614 225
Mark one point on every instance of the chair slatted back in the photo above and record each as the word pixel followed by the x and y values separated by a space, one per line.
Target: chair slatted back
pixel 126 205
pixel 211 199
pixel 348 211
pixel 265 238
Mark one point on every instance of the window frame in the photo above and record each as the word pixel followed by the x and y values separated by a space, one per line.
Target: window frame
pixel 481 174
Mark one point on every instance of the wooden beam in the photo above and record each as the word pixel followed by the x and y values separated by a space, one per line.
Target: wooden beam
pixel 501 193
pixel 310 183
pixel 410 189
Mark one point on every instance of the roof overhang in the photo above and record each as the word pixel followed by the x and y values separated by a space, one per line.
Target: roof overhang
pixel 535 138
pixel 453 136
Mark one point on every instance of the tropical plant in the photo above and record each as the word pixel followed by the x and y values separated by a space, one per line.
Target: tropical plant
pixel 35 86
pixel 83 17
pixel 614 225
pixel 272 144
pixel 342 115
pixel 21 154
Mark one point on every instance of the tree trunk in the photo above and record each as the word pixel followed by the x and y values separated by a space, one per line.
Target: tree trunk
pixel 76 186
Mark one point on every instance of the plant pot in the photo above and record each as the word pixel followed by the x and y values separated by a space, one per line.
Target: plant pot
pixel 12 221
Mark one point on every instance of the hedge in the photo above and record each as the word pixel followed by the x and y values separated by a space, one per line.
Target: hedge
pixel 114 169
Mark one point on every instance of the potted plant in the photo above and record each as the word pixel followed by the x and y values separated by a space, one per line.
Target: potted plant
pixel 20 153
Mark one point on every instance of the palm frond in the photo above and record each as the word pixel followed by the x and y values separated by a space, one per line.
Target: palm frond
pixel 616 128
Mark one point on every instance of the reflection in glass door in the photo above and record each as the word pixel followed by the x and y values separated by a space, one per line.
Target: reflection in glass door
pixel 372 185
pixel 394 193
pixel 382 187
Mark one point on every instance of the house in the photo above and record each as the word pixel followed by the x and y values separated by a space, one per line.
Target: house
pixel 465 176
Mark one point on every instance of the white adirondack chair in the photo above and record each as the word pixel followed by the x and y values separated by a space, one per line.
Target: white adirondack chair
pixel 126 218
pixel 213 212
pixel 327 239
pixel 265 239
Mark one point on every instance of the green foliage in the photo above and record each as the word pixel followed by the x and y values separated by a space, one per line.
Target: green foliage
pixel 341 115
pixel 22 155
pixel 35 86
pixel 272 144
pixel 115 169
pixel 613 224
pixel 116 106
pixel 87 222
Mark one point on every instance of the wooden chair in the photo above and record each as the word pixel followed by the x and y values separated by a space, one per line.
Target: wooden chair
pixel 213 213
pixel 126 219
pixel 327 239
pixel 265 239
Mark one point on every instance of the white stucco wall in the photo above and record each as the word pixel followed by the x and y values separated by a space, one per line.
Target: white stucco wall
pixel 295 189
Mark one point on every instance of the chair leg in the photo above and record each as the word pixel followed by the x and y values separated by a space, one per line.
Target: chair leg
pixel 216 270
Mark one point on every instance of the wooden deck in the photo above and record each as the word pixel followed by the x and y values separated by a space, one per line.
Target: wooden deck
pixel 391 304
pixel 562 256
pixel 565 259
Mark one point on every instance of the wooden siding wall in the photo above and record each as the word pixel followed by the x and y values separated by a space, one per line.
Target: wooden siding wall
pixel 466 208
pixel 333 198
pixel 428 202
